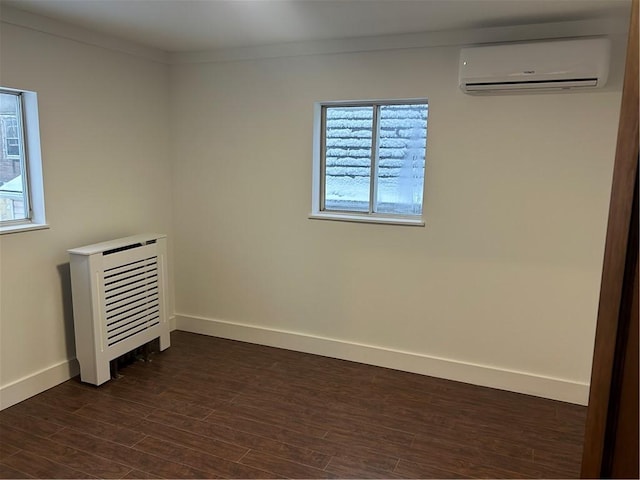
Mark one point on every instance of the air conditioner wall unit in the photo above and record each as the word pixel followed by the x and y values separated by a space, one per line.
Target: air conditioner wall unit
pixel 542 66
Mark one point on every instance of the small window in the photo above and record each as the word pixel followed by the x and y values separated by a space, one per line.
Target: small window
pixel 10 133
pixel 369 161
pixel 13 147
pixel 21 195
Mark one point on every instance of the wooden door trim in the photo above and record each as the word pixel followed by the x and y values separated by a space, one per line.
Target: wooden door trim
pixel 612 291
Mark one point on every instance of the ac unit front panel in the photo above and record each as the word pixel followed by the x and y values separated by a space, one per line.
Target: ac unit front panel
pixel 573 62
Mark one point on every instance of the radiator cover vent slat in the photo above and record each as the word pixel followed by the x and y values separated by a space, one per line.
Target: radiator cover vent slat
pixel 127 302
pixel 129 315
pixel 119 294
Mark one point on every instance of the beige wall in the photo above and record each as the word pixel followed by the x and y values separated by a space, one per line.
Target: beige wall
pixel 505 275
pixel 104 137
pixel 500 287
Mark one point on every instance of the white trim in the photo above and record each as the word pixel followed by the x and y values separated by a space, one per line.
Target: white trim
pixel 319 166
pixel 57 28
pixel 484 375
pixel 32 158
pixel 37 382
pixel 604 26
pixel 352 217
pixel 22 227
pixel 133 240
pixel 316 174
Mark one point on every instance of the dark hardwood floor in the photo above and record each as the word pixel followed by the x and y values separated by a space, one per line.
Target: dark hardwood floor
pixel 214 408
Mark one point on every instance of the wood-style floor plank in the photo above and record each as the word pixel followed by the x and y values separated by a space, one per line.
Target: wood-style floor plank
pixel 39 467
pixel 349 466
pixel 57 452
pixel 37 426
pixel 95 427
pixel 283 468
pixel 129 456
pixel 139 474
pixel 212 430
pixel 8 472
pixel 215 408
pixel 7 450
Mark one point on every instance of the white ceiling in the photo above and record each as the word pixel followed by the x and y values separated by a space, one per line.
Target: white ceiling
pixel 202 25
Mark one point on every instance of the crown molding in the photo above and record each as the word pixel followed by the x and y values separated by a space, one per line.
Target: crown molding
pixel 607 26
pixel 57 28
pixel 612 26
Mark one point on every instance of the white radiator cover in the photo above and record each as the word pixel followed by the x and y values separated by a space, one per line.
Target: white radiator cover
pixel 119 291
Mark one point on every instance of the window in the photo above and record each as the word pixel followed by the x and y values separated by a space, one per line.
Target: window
pixel 21 195
pixel 369 161
pixel 10 134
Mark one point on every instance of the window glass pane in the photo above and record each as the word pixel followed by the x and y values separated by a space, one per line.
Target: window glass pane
pixel 348 136
pixel 13 205
pixel 401 161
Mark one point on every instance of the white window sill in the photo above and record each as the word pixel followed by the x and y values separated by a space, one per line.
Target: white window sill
pixel 352 217
pixel 22 227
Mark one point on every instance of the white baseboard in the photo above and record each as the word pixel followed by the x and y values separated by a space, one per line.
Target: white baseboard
pixel 521 382
pixel 19 390
pixel 503 379
pixel 38 382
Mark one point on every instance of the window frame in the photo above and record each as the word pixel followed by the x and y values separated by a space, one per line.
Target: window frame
pixel 318 210
pixel 31 164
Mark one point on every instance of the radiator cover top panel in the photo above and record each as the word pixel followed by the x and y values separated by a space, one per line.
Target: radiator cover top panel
pixel 119 294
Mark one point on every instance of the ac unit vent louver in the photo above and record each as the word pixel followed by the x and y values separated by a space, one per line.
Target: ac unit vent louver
pixel 118 300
